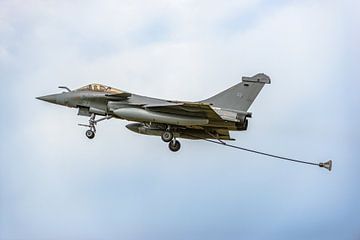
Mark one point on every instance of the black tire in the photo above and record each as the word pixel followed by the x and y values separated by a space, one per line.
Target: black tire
pixel 174 146
pixel 90 134
pixel 167 136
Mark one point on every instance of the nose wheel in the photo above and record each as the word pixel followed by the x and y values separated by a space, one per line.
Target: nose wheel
pixel 90 134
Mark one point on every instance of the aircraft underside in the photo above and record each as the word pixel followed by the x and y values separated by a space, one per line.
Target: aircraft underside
pixel 168 133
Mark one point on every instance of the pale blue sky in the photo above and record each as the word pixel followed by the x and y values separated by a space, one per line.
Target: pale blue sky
pixel 56 184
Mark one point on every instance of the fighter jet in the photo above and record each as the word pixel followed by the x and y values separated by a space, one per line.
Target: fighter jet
pixel 212 118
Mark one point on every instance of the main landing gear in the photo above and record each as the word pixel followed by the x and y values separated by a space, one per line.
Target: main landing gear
pixel 174 145
pixel 90 133
pixel 168 137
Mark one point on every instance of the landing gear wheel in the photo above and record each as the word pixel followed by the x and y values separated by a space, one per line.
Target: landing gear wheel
pixel 90 134
pixel 167 136
pixel 174 145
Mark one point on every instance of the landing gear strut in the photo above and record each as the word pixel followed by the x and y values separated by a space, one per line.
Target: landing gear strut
pixel 90 134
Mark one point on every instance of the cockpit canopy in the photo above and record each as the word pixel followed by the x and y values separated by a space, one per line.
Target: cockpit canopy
pixel 99 88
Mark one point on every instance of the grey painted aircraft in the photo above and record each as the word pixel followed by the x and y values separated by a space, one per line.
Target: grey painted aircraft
pixel 212 118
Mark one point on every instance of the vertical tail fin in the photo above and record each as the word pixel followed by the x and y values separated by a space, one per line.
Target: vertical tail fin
pixel 241 96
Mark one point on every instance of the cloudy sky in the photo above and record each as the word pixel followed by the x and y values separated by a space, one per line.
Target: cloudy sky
pixel 56 184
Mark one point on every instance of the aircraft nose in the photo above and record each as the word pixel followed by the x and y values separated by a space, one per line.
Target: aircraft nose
pixel 48 98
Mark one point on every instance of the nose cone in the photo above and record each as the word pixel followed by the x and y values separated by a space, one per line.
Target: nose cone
pixel 49 98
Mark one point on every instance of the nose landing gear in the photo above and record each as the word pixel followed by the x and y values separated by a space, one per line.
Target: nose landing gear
pixel 90 133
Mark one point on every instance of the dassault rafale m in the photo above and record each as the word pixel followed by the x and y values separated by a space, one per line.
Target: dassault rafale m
pixel 212 118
